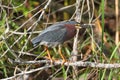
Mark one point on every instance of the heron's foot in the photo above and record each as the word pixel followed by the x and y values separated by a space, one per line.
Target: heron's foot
pixel 49 58
pixel 63 61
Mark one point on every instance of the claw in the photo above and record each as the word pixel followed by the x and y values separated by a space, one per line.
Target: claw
pixel 63 62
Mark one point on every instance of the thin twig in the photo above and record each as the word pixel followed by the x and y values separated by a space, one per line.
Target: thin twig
pixel 28 72
pixel 14 7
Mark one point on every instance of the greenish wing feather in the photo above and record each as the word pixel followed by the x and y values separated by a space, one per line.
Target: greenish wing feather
pixel 54 36
pixel 50 36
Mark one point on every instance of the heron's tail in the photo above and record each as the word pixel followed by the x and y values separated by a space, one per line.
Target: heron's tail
pixel 35 41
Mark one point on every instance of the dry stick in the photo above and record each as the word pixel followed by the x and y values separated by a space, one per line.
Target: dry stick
pixel 117 26
pixel 63 8
pixel 13 7
pixel 23 33
pixel 77 63
pixel 27 72
pixel 75 52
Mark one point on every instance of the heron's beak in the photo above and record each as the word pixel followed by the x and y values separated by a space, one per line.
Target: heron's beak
pixel 79 26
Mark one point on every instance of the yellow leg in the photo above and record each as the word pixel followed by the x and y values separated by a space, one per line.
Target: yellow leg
pixel 48 53
pixel 60 52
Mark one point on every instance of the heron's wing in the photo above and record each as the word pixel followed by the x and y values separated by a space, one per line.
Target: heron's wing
pixel 56 35
pixel 54 27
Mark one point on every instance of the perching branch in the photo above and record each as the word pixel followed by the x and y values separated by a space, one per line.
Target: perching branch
pixel 77 63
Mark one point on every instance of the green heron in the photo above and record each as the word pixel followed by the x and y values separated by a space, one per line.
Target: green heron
pixel 57 34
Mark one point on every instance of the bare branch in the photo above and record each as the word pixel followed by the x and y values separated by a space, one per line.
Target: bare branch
pixel 77 63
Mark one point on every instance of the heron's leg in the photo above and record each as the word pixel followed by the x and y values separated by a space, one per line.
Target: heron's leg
pixel 60 52
pixel 48 53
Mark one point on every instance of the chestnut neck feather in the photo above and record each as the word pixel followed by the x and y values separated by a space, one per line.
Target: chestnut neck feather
pixel 71 31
